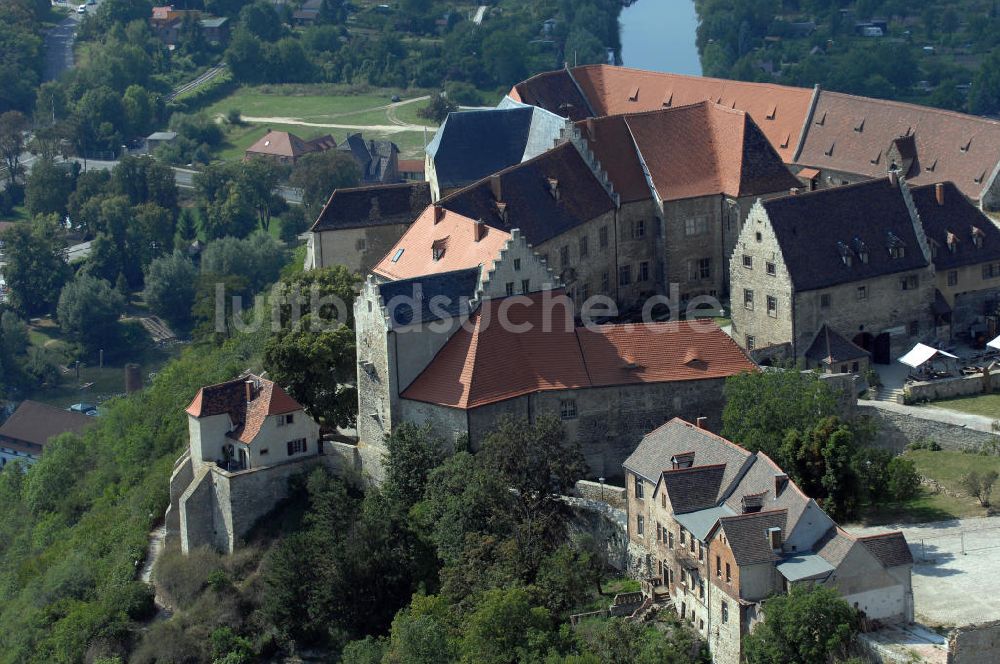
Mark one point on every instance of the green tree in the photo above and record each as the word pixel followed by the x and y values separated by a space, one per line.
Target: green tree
pixel 36 268
pixel 48 188
pixel 762 406
pixel 171 285
pixel 821 461
pixel 980 485
pixel 318 174
pixel 257 259
pixel 413 453
pixel 13 125
pixel 984 97
pixel 806 625
pixel 88 313
pixel 505 628
pixel 903 479
pixel 318 367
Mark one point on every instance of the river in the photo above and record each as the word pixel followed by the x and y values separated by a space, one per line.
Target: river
pixel 659 35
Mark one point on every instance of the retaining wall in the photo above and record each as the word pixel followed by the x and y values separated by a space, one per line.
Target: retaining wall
pixel 894 431
pixel 948 388
pixel 975 644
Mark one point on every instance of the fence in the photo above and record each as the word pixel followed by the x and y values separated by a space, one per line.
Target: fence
pixel 962 542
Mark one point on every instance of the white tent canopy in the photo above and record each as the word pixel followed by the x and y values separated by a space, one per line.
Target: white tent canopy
pixel 921 354
pixel 995 343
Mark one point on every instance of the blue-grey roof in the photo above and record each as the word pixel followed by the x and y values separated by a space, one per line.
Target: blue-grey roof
pixel 804 566
pixel 438 296
pixel 473 144
pixel 700 523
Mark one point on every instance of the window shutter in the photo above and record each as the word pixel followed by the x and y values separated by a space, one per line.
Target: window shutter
pixel 289 445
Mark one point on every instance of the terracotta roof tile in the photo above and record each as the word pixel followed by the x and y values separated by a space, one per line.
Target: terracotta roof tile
pixel 484 362
pixel 960 148
pixel 229 398
pixel 285 144
pixel 413 255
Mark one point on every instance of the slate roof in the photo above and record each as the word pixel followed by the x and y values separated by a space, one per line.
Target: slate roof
pixel 747 535
pixel 652 455
pixel 485 362
pixel 890 549
pixel 450 293
pixel 813 228
pixel 373 157
pixel 780 111
pixel 706 149
pixel 834 546
pixel 530 205
pixel 957 217
pixel 373 205
pixel 230 398
pixel 31 426
pixel 695 488
pixel 414 255
pixel 472 144
pixel 831 348
pixel 759 481
pixel 853 134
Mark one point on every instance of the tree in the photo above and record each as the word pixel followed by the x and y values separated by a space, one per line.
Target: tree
pixel 48 188
pixel 13 125
pixel 319 370
pixel 438 108
pixel 807 625
pixel 171 283
pixel 762 406
pixel 88 313
pixel 903 478
pixel 980 485
pixel 413 453
pixel 984 97
pixel 328 294
pixel 36 267
pixel 259 178
pixel 261 20
pixel 140 109
pixel 318 174
pixel 505 628
pixel 820 460
pixel 257 259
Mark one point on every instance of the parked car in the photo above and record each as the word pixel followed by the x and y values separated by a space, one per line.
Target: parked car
pixel 82 9
pixel 85 408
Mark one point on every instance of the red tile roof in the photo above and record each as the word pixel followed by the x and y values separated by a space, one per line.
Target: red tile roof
pixel 692 151
pixel 485 363
pixel 461 251
pixel 285 144
pixel 229 398
pixel 780 111
pixel 853 134
pixel 33 424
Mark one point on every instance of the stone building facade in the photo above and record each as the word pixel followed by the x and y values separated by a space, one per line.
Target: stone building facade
pixel 722 529
pixel 816 259
pixel 358 226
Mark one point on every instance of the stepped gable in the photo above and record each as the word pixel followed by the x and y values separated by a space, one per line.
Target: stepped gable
pixel 543 197
pixel 440 296
pixel 815 230
pixel 441 241
pixel 854 134
pixel 374 205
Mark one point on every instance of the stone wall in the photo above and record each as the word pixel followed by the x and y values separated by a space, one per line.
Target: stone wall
pixel 607 493
pixel 952 387
pixel 975 644
pixel 359 249
pixel 219 508
pixel 587 272
pixel 895 430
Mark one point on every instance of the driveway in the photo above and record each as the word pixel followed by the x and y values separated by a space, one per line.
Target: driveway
pixel 59 46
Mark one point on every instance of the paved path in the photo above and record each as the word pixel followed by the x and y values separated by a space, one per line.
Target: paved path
pixel 957 418
pixel 59 47
pixel 204 78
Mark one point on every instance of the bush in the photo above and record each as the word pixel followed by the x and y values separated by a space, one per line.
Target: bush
pixel 234 117
pixel 903 479
pixel 182 578
pixel 925 444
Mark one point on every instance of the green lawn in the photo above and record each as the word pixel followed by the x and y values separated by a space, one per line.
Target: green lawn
pixel 947 468
pixel 987 405
pixel 310 103
pixel 610 588
pixel 408 113
pixel 20 213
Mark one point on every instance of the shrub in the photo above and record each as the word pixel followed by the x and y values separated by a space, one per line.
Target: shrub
pixel 980 485
pixel 234 117
pixel 924 444
pixel 182 578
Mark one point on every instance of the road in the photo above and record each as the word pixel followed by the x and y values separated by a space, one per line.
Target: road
pixel 59 46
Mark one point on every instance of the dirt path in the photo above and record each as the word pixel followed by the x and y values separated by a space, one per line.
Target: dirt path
pixel 156 542
pixel 390 112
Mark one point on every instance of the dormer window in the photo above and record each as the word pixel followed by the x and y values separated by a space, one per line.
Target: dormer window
pixel 861 249
pixel 897 249
pixel 977 237
pixel 554 188
pixel 846 257
pixel 953 242
pixel 682 460
pixel 438 248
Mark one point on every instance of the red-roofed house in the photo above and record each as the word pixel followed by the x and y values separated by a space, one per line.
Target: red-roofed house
pixel 524 356
pixel 287 148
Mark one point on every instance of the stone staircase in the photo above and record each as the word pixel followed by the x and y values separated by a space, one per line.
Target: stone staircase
pixel 893 395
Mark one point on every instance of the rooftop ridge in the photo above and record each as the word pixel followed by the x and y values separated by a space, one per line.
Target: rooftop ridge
pixel 753 515
pixel 677 471
pixel 918 107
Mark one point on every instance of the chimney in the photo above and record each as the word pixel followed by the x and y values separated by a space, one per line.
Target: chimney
pixel 702 423
pixel 480 230
pixel 774 538
pixel 248 387
pixel 590 130
pixel 893 178
pixel 438 213
pixel 780 481
pixel 554 188
pixel 497 186
pixel 939 192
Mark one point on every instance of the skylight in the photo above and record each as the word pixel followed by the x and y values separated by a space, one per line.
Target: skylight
pixel 396 256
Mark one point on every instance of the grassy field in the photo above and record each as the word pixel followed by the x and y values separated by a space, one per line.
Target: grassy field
pixel 309 103
pixel 20 213
pixel 987 405
pixel 947 468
